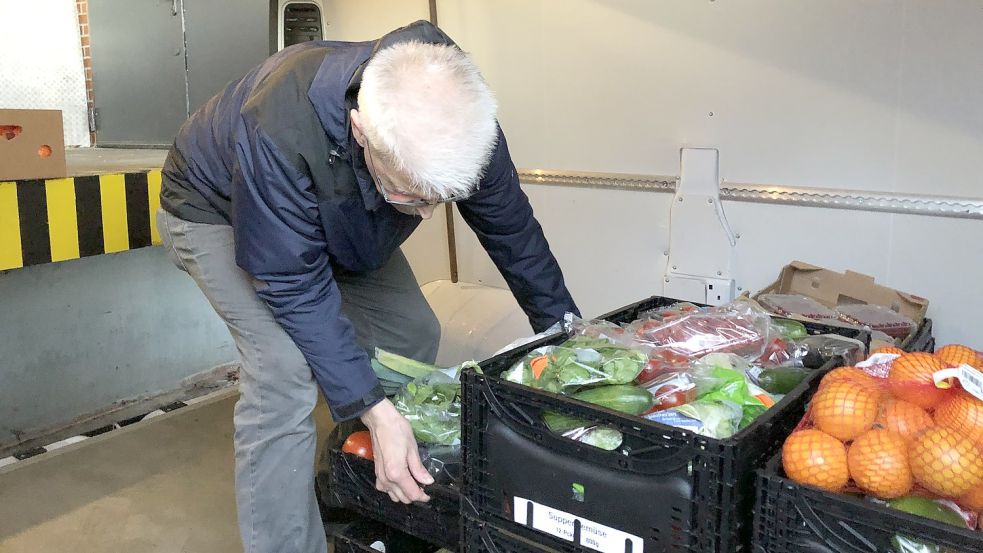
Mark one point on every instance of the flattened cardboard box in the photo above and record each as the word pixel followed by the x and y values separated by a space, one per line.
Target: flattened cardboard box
pixel 32 144
pixel 833 289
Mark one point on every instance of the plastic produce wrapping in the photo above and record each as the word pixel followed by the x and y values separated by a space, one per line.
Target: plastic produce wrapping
pixel 432 404
pixel 878 318
pixel 576 327
pixel 713 419
pixel 676 310
pixel 584 431
pixel 812 351
pixel 795 304
pixel 938 510
pixel 722 378
pixel 726 400
pixel 740 328
pixel 442 462
pixel 577 363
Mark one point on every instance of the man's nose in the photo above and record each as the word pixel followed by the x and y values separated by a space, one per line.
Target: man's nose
pixel 426 212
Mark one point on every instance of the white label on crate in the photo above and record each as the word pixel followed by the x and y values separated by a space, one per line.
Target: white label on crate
pixel 970 378
pixel 568 527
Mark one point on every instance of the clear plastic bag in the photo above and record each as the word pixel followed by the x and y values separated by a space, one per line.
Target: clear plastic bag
pixel 676 310
pixel 597 329
pixel 713 419
pixel 577 363
pixel 672 390
pixel 796 304
pixel 878 318
pixel 583 431
pixel 740 328
pixel 442 462
pixel 829 346
pixel 432 405
pixel 723 378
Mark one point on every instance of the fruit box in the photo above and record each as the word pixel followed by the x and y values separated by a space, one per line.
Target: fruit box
pixel 833 289
pixel 32 144
pixel 794 518
pixel 668 490
pixel 353 481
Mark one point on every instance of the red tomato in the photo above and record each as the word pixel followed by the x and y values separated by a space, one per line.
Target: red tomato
pixel 359 443
pixel 670 396
pixel 662 361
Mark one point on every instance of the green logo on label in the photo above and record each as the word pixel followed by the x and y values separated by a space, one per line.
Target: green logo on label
pixel 578 492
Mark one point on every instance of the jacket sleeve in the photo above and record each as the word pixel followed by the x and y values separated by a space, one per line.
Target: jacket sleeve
pixel 280 242
pixel 501 216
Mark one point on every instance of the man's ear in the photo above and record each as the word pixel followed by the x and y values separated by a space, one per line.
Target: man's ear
pixel 357 127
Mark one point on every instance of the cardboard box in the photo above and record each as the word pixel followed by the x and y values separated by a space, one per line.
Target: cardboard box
pixel 833 289
pixel 32 144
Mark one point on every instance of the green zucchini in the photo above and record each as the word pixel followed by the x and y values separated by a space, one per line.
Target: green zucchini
pixel 625 398
pixel 781 380
pixel 403 365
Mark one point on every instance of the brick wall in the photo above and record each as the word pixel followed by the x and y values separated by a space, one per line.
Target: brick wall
pixel 82 7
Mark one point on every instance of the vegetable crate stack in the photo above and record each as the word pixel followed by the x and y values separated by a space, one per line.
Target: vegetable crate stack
pixel 640 432
pixel 888 458
pixel 430 398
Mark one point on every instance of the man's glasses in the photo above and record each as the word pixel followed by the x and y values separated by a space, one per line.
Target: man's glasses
pixel 420 202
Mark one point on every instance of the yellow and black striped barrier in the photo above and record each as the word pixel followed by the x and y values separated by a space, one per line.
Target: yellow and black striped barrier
pixel 58 219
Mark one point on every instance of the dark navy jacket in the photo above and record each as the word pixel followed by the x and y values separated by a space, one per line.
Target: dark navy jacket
pixel 273 156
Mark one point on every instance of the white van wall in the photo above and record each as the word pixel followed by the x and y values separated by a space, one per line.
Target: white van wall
pixel 876 95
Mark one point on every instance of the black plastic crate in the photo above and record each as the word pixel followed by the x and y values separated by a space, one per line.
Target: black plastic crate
pixel 792 518
pixel 353 481
pixel 675 490
pixel 921 340
pixel 481 537
pixel 359 537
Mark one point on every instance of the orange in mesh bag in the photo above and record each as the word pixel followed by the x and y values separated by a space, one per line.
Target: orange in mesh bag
pixel 878 461
pixel 903 418
pixel 946 463
pixel 911 379
pixel 815 458
pixel 964 414
pixel 857 376
pixel 955 355
pixel 931 447
pixel 973 500
pixel 845 409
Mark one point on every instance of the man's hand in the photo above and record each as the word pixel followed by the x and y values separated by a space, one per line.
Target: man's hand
pixel 398 469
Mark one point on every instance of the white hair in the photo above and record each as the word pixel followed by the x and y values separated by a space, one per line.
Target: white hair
pixel 430 115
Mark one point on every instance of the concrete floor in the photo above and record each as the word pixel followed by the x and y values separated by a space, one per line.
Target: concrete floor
pixel 93 161
pixel 159 486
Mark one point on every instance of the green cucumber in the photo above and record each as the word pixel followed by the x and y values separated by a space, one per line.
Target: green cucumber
pixel 923 507
pixel 403 365
pixel 781 380
pixel 927 508
pixel 625 398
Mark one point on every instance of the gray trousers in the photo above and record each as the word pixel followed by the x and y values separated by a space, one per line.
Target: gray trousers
pixel 274 438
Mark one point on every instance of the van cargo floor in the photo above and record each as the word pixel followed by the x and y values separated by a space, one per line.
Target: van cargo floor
pixel 163 485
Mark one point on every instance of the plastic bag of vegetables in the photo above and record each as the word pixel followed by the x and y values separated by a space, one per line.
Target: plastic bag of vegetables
pixel 738 327
pixel 577 363
pixel 624 398
pixel 432 404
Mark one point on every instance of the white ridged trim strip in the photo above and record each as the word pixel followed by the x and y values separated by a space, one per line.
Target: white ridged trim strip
pixel 937 206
